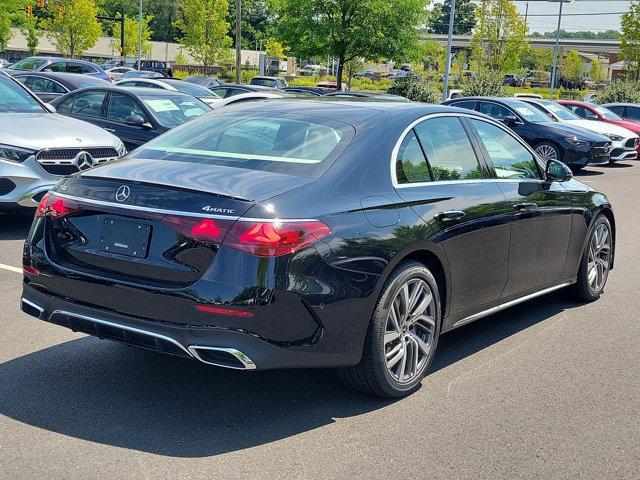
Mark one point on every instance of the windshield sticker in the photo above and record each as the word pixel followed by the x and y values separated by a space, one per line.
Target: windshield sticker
pixel 161 105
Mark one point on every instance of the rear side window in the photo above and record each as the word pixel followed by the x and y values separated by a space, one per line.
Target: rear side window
pixel 468 104
pixel 496 111
pixel 66 105
pixel 411 165
pixel 56 67
pixel 448 149
pixel 89 103
pixel 582 112
pixel 632 112
pixel 304 146
pixel 617 109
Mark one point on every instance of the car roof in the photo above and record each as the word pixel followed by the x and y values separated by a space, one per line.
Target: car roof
pixel 76 79
pixel 144 91
pixel 346 111
pixel 620 104
pixel 263 77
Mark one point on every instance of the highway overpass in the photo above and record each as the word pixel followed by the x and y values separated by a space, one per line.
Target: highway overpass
pixel 582 45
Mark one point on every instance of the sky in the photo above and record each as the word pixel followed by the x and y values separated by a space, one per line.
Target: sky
pixel 594 23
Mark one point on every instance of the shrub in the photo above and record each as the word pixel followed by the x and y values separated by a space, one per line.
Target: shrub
pixel 415 88
pixel 623 92
pixel 485 85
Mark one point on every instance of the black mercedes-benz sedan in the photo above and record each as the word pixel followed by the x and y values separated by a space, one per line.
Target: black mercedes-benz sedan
pixel 575 146
pixel 314 234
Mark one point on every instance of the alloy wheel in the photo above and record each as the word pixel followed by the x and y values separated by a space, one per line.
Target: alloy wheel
pixel 409 331
pixel 599 260
pixel 547 152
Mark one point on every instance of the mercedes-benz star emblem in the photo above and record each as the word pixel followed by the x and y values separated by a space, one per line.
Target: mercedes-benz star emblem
pixel 84 160
pixel 122 193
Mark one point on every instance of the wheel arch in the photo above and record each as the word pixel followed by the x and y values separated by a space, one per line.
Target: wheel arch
pixel 607 212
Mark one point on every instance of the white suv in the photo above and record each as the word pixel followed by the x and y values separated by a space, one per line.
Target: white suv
pixel 38 147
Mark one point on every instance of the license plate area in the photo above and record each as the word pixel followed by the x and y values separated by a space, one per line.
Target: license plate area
pixel 125 237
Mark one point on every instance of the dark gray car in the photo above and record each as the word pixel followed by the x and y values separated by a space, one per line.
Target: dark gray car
pixel 49 85
pixel 60 65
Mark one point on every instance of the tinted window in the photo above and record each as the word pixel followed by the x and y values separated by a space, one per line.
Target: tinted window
pixel 411 166
pixel 633 112
pixel 191 89
pixel 496 111
pixel 468 104
pixel 42 85
pixel 224 92
pixel 174 110
pixel 448 149
pixel 606 113
pixel 75 68
pixel 582 112
pixel 28 64
pixel 122 106
pixel 14 98
pixel 509 157
pixel 66 105
pixel 55 67
pixel 304 146
pixel 618 110
pixel 264 82
pixel 89 103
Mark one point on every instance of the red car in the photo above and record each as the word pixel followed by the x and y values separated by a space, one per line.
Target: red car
pixel 591 111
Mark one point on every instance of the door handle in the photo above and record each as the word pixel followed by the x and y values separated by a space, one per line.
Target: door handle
pixel 525 206
pixel 110 130
pixel 449 215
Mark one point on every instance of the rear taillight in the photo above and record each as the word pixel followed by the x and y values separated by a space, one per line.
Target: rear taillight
pixel 274 238
pixel 53 206
pixel 266 238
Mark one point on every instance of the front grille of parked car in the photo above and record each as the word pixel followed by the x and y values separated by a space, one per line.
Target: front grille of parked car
pixel 6 186
pixel 632 143
pixel 61 161
pixel 602 147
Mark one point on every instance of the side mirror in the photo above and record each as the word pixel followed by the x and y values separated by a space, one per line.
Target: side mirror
pixel 511 121
pixel 557 171
pixel 50 107
pixel 138 121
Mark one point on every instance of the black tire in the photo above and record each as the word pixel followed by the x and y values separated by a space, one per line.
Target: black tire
pixel 582 290
pixel 559 154
pixel 371 374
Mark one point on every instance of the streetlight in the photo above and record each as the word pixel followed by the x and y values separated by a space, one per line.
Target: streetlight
pixel 554 70
pixel 447 67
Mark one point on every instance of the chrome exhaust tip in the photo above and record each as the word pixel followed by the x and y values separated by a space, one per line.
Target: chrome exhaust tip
pixel 31 308
pixel 222 357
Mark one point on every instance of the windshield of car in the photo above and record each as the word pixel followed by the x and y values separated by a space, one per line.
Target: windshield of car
pixel 606 113
pixel 563 113
pixel 15 99
pixel 263 82
pixel 192 89
pixel 174 110
pixel 303 146
pixel 529 112
pixel 28 64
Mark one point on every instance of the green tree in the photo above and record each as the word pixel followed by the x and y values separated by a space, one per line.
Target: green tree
pixel 131 37
pixel 275 48
pixel 72 26
pixel 205 30
pixel 11 12
pixel 620 92
pixel 572 68
pixel 29 28
pixel 487 84
pixel 465 18
pixel 597 73
pixel 256 22
pixel 416 88
pixel 350 29
pixel 499 39
pixel 630 46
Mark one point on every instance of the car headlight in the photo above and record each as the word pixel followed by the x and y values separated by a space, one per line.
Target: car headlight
pixel 615 138
pixel 15 154
pixel 121 149
pixel 577 143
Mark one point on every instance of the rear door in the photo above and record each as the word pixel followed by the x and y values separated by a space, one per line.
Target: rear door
pixel 540 211
pixel 448 186
pixel 88 106
pixel 120 106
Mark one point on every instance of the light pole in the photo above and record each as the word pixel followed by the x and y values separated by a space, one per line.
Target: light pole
pixel 238 39
pixel 554 69
pixel 139 34
pixel 447 67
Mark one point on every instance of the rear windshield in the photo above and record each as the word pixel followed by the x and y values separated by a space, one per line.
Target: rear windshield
pixel 263 82
pixel 302 146
pixel 191 89
pixel 174 110
pixel 606 113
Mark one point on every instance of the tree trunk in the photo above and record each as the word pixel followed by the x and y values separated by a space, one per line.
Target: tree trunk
pixel 339 73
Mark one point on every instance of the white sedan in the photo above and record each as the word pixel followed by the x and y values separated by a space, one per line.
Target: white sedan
pixel 201 93
pixel 623 142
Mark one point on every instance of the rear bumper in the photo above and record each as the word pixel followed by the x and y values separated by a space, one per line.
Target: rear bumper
pixel 215 346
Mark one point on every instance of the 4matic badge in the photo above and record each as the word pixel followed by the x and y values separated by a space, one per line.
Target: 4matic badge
pixel 211 209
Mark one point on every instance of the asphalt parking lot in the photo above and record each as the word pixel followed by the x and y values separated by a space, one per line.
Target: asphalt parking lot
pixel 548 389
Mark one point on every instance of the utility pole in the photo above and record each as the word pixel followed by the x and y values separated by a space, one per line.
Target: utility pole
pixel 238 39
pixel 139 34
pixel 447 68
pixel 554 69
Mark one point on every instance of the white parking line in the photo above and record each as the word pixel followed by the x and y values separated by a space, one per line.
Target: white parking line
pixel 10 268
